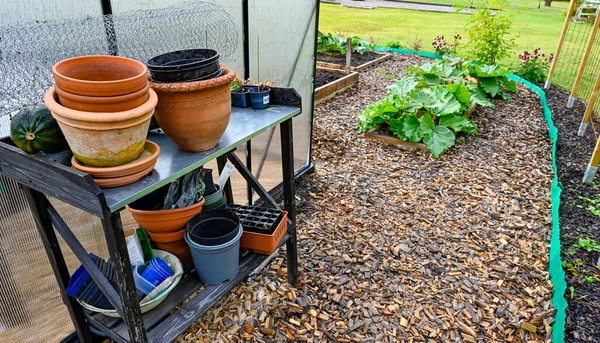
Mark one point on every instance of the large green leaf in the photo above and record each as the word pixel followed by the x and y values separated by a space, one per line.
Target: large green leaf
pixel 479 97
pixel 485 70
pixel 412 129
pixel 403 87
pixel 427 123
pixel 461 93
pixel 397 127
pixel 490 85
pixel 440 101
pixel 510 85
pixel 458 123
pixel 377 113
pixel 439 140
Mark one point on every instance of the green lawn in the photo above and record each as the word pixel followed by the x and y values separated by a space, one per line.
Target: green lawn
pixel 533 27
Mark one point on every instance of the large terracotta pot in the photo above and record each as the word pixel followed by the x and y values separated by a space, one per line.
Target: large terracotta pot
pixel 100 75
pixel 195 114
pixel 103 139
pixel 165 220
pixel 103 103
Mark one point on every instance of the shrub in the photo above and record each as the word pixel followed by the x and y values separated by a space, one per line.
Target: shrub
pixel 395 45
pixel 488 30
pixel 534 66
pixel 443 48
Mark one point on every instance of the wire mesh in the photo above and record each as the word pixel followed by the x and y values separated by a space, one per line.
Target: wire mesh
pixel 569 59
pixel 28 51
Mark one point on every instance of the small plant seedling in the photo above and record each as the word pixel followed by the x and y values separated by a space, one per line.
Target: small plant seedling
pixel 593 204
pixel 588 244
pixel 588 279
pixel 265 226
pixel 572 292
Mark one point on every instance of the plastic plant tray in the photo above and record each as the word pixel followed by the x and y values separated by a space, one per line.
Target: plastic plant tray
pixel 256 219
pixel 263 228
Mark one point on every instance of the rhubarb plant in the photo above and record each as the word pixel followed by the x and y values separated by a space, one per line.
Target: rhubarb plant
pixel 428 104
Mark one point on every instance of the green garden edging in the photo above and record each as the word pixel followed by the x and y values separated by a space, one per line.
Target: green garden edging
pixel 557 274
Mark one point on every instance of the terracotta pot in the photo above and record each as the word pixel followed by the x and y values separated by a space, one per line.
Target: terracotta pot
pixel 195 114
pixel 103 103
pixel 165 220
pixel 100 75
pixel 103 139
pixel 177 248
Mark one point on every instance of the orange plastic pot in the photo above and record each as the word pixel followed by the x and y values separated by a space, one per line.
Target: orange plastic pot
pixel 100 75
pixel 178 248
pixel 195 114
pixel 105 139
pixel 165 220
pixel 103 103
pixel 265 244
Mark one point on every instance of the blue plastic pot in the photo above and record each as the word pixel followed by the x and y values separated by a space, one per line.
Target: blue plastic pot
pixel 240 98
pixel 157 271
pixel 260 100
pixel 144 286
pixel 216 264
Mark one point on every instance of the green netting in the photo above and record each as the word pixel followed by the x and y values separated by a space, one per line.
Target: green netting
pixel 557 274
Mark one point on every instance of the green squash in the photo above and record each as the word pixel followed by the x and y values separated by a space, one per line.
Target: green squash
pixel 34 129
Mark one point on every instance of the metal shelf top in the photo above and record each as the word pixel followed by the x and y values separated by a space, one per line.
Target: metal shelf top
pixel 172 163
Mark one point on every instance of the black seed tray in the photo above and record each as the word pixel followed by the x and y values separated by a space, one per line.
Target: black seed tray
pixel 257 219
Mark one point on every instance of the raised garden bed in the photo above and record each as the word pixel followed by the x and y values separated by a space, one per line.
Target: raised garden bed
pixel 358 62
pixel 390 139
pixel 330 82
pixel 577 222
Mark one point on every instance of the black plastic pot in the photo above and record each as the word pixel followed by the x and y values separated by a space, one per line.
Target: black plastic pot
pixel 183 59
pixel 175 76
pixel 209 183
pixel 211 228
pixel 260 100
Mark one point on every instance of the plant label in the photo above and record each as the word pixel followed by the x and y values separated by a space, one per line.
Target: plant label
pixel 225 174
pixel 265 99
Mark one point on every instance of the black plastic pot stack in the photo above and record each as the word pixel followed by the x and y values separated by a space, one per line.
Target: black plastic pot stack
pixel 185 66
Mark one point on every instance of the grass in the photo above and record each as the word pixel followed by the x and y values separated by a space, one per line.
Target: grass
pixel 533 27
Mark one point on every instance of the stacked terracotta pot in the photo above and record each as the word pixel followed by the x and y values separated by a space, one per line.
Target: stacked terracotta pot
pixel 194 105
pixel 104 105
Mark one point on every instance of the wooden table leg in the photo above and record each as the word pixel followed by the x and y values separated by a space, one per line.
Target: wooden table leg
pixel 115 239
pixel 289 197
pixel 38 203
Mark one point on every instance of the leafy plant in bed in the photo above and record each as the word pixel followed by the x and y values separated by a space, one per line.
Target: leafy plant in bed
pixel 328 44
pixel 432 102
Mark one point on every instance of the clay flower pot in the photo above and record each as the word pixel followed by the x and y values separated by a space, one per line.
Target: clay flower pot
pixel 172 242
pixel 165 220
pixel 100 75
pixel 103 139
pixel 103 103
pixel 195 114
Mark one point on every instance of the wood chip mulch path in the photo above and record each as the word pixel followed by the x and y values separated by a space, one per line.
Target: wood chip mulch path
pixel 395 246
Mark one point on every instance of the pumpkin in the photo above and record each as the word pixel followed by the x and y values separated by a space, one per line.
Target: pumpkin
pixel 34 129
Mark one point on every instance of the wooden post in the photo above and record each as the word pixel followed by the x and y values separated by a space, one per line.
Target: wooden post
pixel 590 108
pixel 348 55
pixel 561 42
pixel 586 56
pixel 592 168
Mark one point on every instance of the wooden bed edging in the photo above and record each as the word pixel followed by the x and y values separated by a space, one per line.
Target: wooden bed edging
pixel 360 67
pixel 329 90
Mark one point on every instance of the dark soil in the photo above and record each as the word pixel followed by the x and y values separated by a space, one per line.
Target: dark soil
pixel 357 59
pixel 324 77
pixel 573 154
